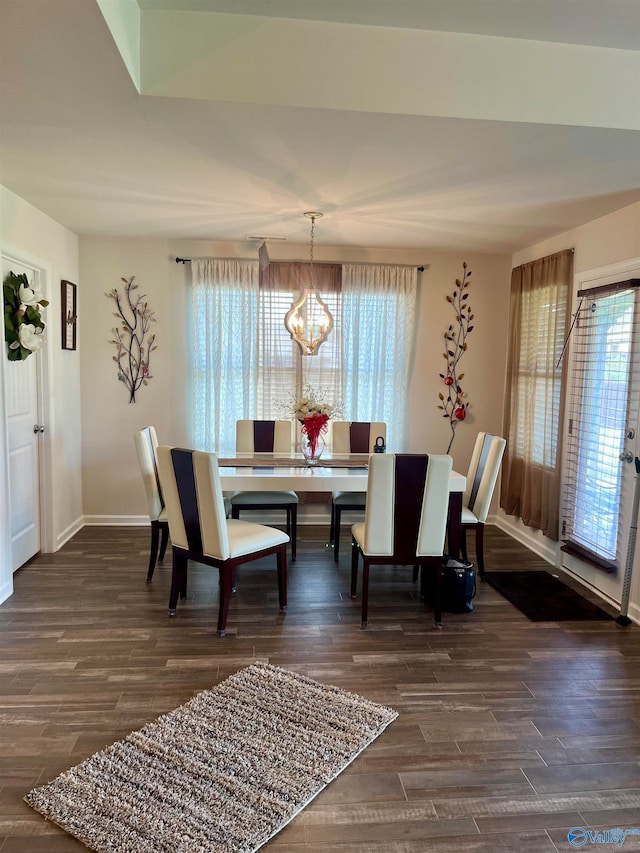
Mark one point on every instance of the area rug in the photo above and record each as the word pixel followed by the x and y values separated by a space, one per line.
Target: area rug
pixel 224 772
pixel 543 598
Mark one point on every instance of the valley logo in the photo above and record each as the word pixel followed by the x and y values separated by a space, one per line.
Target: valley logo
pixel 579 836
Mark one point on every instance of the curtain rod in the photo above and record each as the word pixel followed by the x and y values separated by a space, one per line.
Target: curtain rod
pixel 188 261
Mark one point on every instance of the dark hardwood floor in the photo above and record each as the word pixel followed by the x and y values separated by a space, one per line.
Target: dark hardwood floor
pixel 510 732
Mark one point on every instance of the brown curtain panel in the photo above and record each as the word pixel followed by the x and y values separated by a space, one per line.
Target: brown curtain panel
pixel 535 391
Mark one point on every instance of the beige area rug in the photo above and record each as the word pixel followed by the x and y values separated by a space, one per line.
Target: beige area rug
pixel 224 772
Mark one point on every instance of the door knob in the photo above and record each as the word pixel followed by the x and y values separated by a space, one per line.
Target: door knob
pixel 38 428
pixel 626 456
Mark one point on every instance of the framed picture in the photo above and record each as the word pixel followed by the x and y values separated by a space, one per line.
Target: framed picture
pixel 69 314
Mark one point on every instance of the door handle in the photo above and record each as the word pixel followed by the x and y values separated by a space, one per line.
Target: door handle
pixel 626 456
pixel 38 428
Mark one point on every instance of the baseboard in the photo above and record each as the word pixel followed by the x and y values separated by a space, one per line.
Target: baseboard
pixel 307 514
pixel 546 550
pixel 116 520
pixel 634 614
pixel 69 532
pixel 633 609
pixel 6 591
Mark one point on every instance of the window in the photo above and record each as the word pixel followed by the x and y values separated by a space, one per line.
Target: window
pixel 223 386
pixel 534 393
pixel 378 312
pixel 539 378
pixel 602 405
pixel 244 368
pixel 282 372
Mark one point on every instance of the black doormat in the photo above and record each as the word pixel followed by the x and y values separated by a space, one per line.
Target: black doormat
pixel 543 598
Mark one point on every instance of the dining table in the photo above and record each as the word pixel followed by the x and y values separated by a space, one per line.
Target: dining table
pixel 332 473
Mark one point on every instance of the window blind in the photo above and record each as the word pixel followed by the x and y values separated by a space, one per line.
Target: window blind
pixel 602 406
pixel 281 372
pixel 542 324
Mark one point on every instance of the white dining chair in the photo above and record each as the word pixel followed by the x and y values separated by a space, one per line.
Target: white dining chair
pixel 255 436
pixel 351 437
pixel 481 481
pixel 201 531
pixel 146 443
pixel 405 520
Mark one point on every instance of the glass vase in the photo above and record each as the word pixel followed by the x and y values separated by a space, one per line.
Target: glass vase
pixel 312 455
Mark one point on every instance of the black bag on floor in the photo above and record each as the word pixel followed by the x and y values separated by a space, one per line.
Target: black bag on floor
pixel 458 585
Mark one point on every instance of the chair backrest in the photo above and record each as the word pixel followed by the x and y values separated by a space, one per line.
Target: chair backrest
pixel 264 436
pixel 483 473
pixel 146 444
pixel 407 505
pixel 356 436
pixel 195 505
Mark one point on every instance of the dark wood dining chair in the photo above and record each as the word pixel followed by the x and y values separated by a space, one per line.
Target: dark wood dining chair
pixel 481 481
pixel 405 521
pixel 351 437
pixel 267 437
pixel 201 531
pixel 146 443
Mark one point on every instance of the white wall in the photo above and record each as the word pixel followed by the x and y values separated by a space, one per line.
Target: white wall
pixel 94 474
pixel 111 482
pixel 483 365
pixel 112 485
pixel 609 240
pixel 39 240
pixel 612 238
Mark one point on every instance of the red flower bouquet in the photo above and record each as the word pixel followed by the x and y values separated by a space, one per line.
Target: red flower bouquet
pixel 313 427
pixel 313 413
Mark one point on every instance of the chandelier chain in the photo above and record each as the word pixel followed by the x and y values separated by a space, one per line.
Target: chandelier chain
pixel 309 321
pixel 313 225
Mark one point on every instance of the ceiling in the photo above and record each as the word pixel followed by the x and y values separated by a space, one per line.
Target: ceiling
pixel 449 125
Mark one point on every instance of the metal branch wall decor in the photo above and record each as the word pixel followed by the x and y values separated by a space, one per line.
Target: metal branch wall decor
pixel 453 404
pixel 133 347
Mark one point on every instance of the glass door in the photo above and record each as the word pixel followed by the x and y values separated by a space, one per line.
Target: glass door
pixel 602 425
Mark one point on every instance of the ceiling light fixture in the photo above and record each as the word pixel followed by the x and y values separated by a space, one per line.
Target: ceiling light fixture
pixel 309 321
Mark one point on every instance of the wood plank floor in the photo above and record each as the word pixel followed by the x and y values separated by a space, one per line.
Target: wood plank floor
pixel 510 732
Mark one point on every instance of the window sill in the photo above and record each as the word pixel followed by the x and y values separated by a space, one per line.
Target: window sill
pixel 589 557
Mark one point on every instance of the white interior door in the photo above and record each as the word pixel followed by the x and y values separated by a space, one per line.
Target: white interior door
pixel 23 433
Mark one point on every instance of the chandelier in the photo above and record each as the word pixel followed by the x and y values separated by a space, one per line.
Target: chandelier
pixel 309 321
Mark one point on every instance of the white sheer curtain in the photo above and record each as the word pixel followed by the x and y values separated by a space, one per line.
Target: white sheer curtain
pixel 246 366
pixel 225 298
pixel 378 311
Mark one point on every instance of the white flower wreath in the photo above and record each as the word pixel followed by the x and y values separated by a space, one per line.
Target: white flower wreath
pixel 23 324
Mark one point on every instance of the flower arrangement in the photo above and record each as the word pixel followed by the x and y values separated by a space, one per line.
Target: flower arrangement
pixel 454 405
pixel 314 412
pixel 133 353
pixel 23 324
